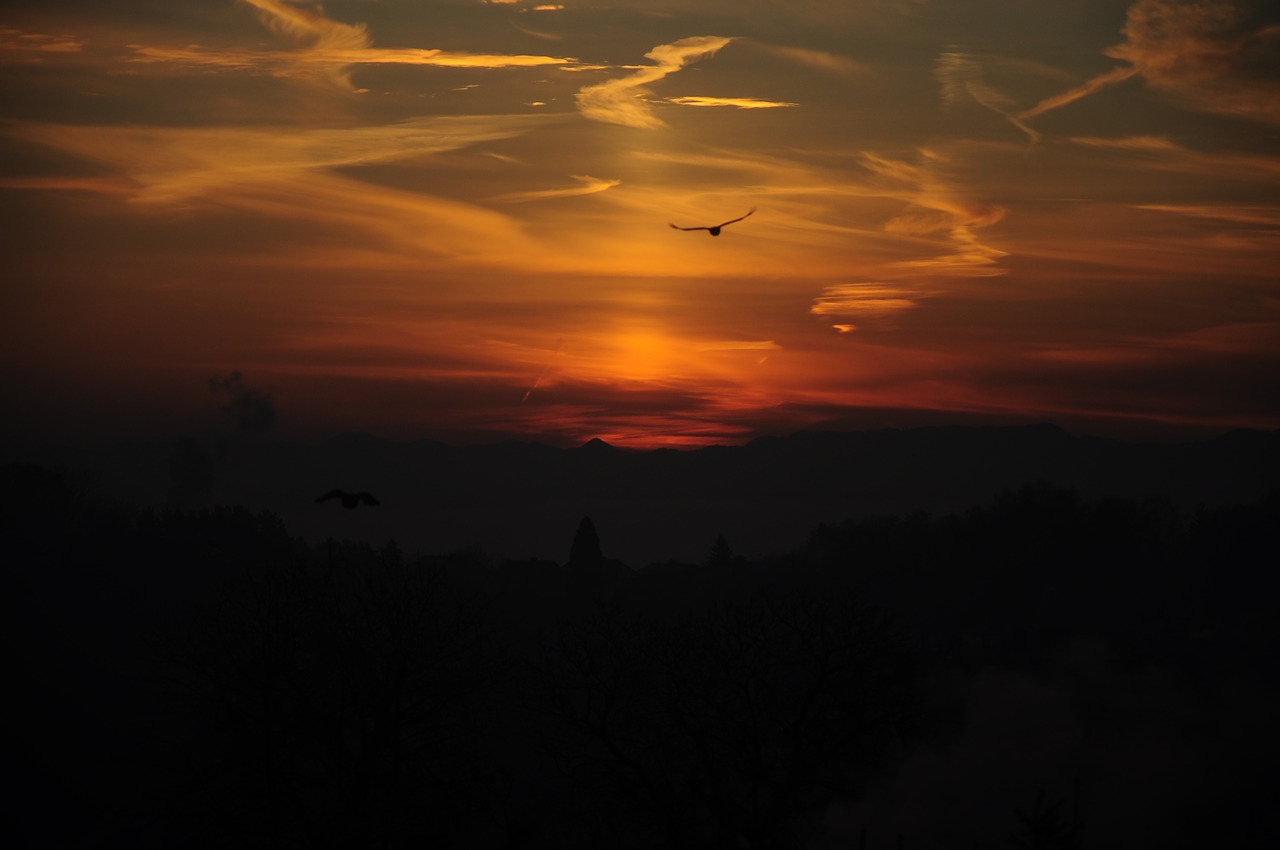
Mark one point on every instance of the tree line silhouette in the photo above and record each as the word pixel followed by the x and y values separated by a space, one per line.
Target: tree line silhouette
pixel 202 679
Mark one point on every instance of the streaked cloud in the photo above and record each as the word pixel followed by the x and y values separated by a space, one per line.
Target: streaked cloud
pixel 97 185
pixel 862 301
pixel 170 164
pixel 586 186
pixel 315 35
pixel 285 64
pixel 1109 78
pixel 1162 153
pixel 962 81
pixel 1263 215
pixel 938 206
pixel 1204 54
pixel 738 345
pixel 819 60
pixel 622 100
pixel 736 102
pixel 323 49
pixel 19 46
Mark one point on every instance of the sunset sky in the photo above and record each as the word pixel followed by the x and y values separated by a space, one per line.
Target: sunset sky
pixel 449 218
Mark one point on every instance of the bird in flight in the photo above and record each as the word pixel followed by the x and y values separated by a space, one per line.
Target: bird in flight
pixel 714 230
pixel 349 500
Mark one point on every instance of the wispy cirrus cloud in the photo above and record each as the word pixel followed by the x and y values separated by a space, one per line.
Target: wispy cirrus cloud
pixel 1204 54
pixel 285 64
pixel 621 100
pixel 938 205
pixel 324 49
pixel 819 60
pixel 315 33
pixel 738 345
pixel 1262 215
pixel 587 185
pixel 736 102
pixel 1096 84
pixel 19 46
pixel 172 164
pixel 1200 53
pixel 962 80
pixel 862 301
pixel 1158 152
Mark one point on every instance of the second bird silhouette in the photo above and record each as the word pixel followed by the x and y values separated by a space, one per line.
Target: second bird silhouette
pixel 714 229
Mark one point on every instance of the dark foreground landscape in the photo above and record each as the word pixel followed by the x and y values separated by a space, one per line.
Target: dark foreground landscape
pixel 943 638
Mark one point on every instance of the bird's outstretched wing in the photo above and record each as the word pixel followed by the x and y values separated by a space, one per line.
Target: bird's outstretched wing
pixel 714 227
pixel 739 218
pixel 367 498
pixel 332 494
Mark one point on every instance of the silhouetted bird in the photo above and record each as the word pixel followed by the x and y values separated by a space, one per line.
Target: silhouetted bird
pixel 349 500
pixel 715 229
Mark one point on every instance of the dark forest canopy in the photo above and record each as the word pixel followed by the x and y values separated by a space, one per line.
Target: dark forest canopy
pixel 202 678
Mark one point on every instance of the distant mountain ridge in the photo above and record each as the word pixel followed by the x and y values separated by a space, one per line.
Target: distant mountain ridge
pixel 524 499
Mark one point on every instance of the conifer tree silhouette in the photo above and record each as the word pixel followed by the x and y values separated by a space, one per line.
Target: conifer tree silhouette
pixel 720 555
pixel 585 551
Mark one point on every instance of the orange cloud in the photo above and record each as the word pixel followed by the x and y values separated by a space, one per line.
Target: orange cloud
pixel 862 300
pixel 286 64
pixel 588 186
pixel 937 205
pixel 1264 215
pixel 620 101
pixel 175 163
pixel 820 60
pixel 961 78
pixel 324 49
pixel 738 102
pixel 1165 154
pixel 17 45
pixel 1201 53
pixel 1096 84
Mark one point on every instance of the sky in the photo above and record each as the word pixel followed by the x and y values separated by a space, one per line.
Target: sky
pixel 449 219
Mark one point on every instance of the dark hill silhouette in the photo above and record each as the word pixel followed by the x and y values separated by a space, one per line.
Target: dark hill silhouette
pixel 518 497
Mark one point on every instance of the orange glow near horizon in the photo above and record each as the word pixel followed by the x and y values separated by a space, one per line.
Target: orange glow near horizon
pixel 389 223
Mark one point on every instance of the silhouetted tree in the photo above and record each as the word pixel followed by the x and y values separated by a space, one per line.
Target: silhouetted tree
pixel 1046 826
pixel 720 555
pixel 727 727
pixel 333 704
pixel 585 551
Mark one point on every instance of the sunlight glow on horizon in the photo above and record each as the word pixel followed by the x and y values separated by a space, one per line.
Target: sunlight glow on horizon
pixel 1067 214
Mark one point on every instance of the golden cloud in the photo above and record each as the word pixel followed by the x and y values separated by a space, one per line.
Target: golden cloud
pixel 820 60
pixel 1200 52
pixel 619 101
pixel 865 300
pixel 961 78
pixel 1165 154
pixel 324 49
pixel 1264 215
pixel 15 44
pixel 587 185
pixel 1096 84
pixel 173 163
pixel 738 345
pixel 737 102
